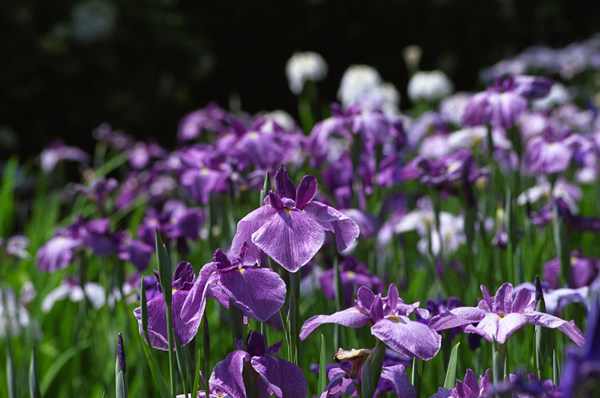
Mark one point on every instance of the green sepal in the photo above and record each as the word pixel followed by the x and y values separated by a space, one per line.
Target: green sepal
pixel 266 188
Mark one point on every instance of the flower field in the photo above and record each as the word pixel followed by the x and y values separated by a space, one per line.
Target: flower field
pixel 448 250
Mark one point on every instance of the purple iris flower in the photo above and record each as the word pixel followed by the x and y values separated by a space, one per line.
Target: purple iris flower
pixel 452 175
pixel 185 327
pixel 212 118
pixel 500 316
pixel 529 387
pixel 504 102
pixel 258 292
pixel 470 388
pixel 95 235
pixel 176 223
pixel 343 379
pixel 99 190
pixel 204 171
pixel 389 321
pixel 353 275
pixel 112 138
pixel 142 154
pixel 579 223
pixel 291 227
pixel 258 367
pixel 550 152
pixel 442 306
pixel 581 371
pixel 583 270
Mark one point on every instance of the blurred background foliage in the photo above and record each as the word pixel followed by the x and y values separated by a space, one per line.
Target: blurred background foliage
pixel 69 65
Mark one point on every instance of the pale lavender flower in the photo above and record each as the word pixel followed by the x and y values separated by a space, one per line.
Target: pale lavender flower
pixel 15 246
pixel 212 118
pixel 291 227
pixel 500 316
pixel 389 321
pixel 58 151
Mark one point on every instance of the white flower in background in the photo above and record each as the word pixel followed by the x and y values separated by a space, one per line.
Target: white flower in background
pixel 71 289
pixel 14 316
pixel 558 95
pixel 303 66
pixel 448 239
pixel 384 97
pixel 279 117
pixel 429 86
pixel 570 193
pixel 453 107
pixel 357 81
pixel 93 20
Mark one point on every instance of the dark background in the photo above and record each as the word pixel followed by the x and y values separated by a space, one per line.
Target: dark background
pixel 161 59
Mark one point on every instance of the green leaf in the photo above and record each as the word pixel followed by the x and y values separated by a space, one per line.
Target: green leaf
pixel 181 364
pixel 7 198
pixel 450 380
pixel 10 372
pixel 196 376
pixel 59 362
pixel 34 378
pixel 322 367
pixel 156 374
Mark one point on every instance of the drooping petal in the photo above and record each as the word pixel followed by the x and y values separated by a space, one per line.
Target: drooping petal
pixel 258 292
pixel 345 229
pixel 283 378
pixel 227 374
pixel 246 227
pixel 550 321
pixel 290 238
pixel 306 191
pixel 398 379
pixel 350 317
pixel 408 337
